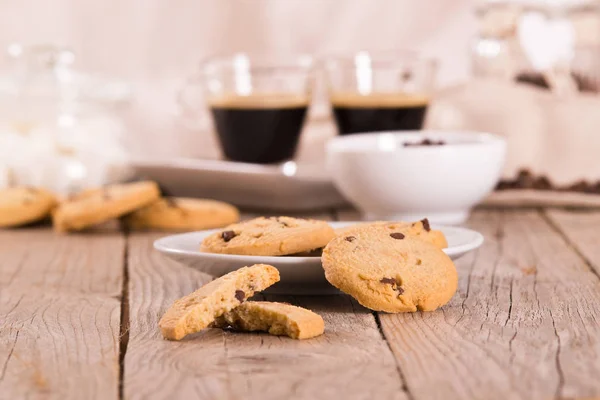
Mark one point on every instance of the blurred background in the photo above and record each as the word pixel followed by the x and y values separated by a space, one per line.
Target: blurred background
pixel 523 69
pixel 156 44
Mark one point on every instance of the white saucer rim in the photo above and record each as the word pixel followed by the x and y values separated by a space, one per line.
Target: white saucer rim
pixel 159 245
pixel 229 167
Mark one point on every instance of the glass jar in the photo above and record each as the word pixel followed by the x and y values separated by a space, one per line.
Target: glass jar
pixel 59 128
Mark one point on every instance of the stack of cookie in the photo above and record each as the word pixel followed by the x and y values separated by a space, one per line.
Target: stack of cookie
pixel 385 266
pixel 392 267
pixel 139 204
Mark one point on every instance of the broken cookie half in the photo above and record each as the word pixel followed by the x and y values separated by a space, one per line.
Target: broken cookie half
pixel 199 309
pixel 279 319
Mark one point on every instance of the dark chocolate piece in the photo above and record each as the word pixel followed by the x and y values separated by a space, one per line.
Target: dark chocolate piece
pixel 425 142
pixel 240 295
pixel 227 235
pixel 394 283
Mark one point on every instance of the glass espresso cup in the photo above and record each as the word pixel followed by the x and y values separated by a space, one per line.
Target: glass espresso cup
pixel 379 92
pixel 258 105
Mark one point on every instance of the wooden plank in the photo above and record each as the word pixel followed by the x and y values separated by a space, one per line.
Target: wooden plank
pixel 351 360
pixel 582 231
pixel 60 314
pixel 525 323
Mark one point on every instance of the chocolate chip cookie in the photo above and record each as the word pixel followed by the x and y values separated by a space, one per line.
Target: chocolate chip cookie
pixel 24 205
pixel 275 236
pixel 183 214
pixel 199 309
pixel 419 229
pixel 100 205
pixel 279 319
pixel 387 270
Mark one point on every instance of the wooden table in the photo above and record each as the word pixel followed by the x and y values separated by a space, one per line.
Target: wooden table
pixel 79 314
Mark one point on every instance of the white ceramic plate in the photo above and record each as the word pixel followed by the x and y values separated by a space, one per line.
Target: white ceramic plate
pixel 299 275
pixel 289 186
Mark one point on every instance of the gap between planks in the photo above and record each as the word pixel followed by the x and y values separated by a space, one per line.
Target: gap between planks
pixel 221 365
pixel 555 225
pixel 124 325
pixel 354 215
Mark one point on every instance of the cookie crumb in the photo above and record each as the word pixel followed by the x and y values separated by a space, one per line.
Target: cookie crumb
pixel 350 239
pixel 240 295
pixel 397 235
pixel 227 235
pixel 426 225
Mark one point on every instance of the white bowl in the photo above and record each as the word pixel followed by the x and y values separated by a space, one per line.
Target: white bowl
pixel 389 181
pixel 299 275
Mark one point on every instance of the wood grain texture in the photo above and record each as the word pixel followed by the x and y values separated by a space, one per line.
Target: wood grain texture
pixel 582 231
pixel 525 323
pixel 59 314
pixel 351 360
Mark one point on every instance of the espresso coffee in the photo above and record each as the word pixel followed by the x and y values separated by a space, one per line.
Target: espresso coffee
pixel 355 113
pixel 259 128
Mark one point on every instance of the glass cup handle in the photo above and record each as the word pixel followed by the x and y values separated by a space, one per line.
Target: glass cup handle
pixel 191 104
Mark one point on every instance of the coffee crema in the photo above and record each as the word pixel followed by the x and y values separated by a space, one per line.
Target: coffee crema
pixel 259 128
pixel 356 113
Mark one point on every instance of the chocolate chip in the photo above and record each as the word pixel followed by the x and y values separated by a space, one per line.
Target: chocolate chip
pixel 390 281
pixel 579 186
pixel 227 235
pixel 240 295
pixel 542 183
pixel 425 142
pixel 426 225
pixel 350 238
pixel 282 223
pixel 526 180
pixel 394 283
pixel 419 261
pixel 397 235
